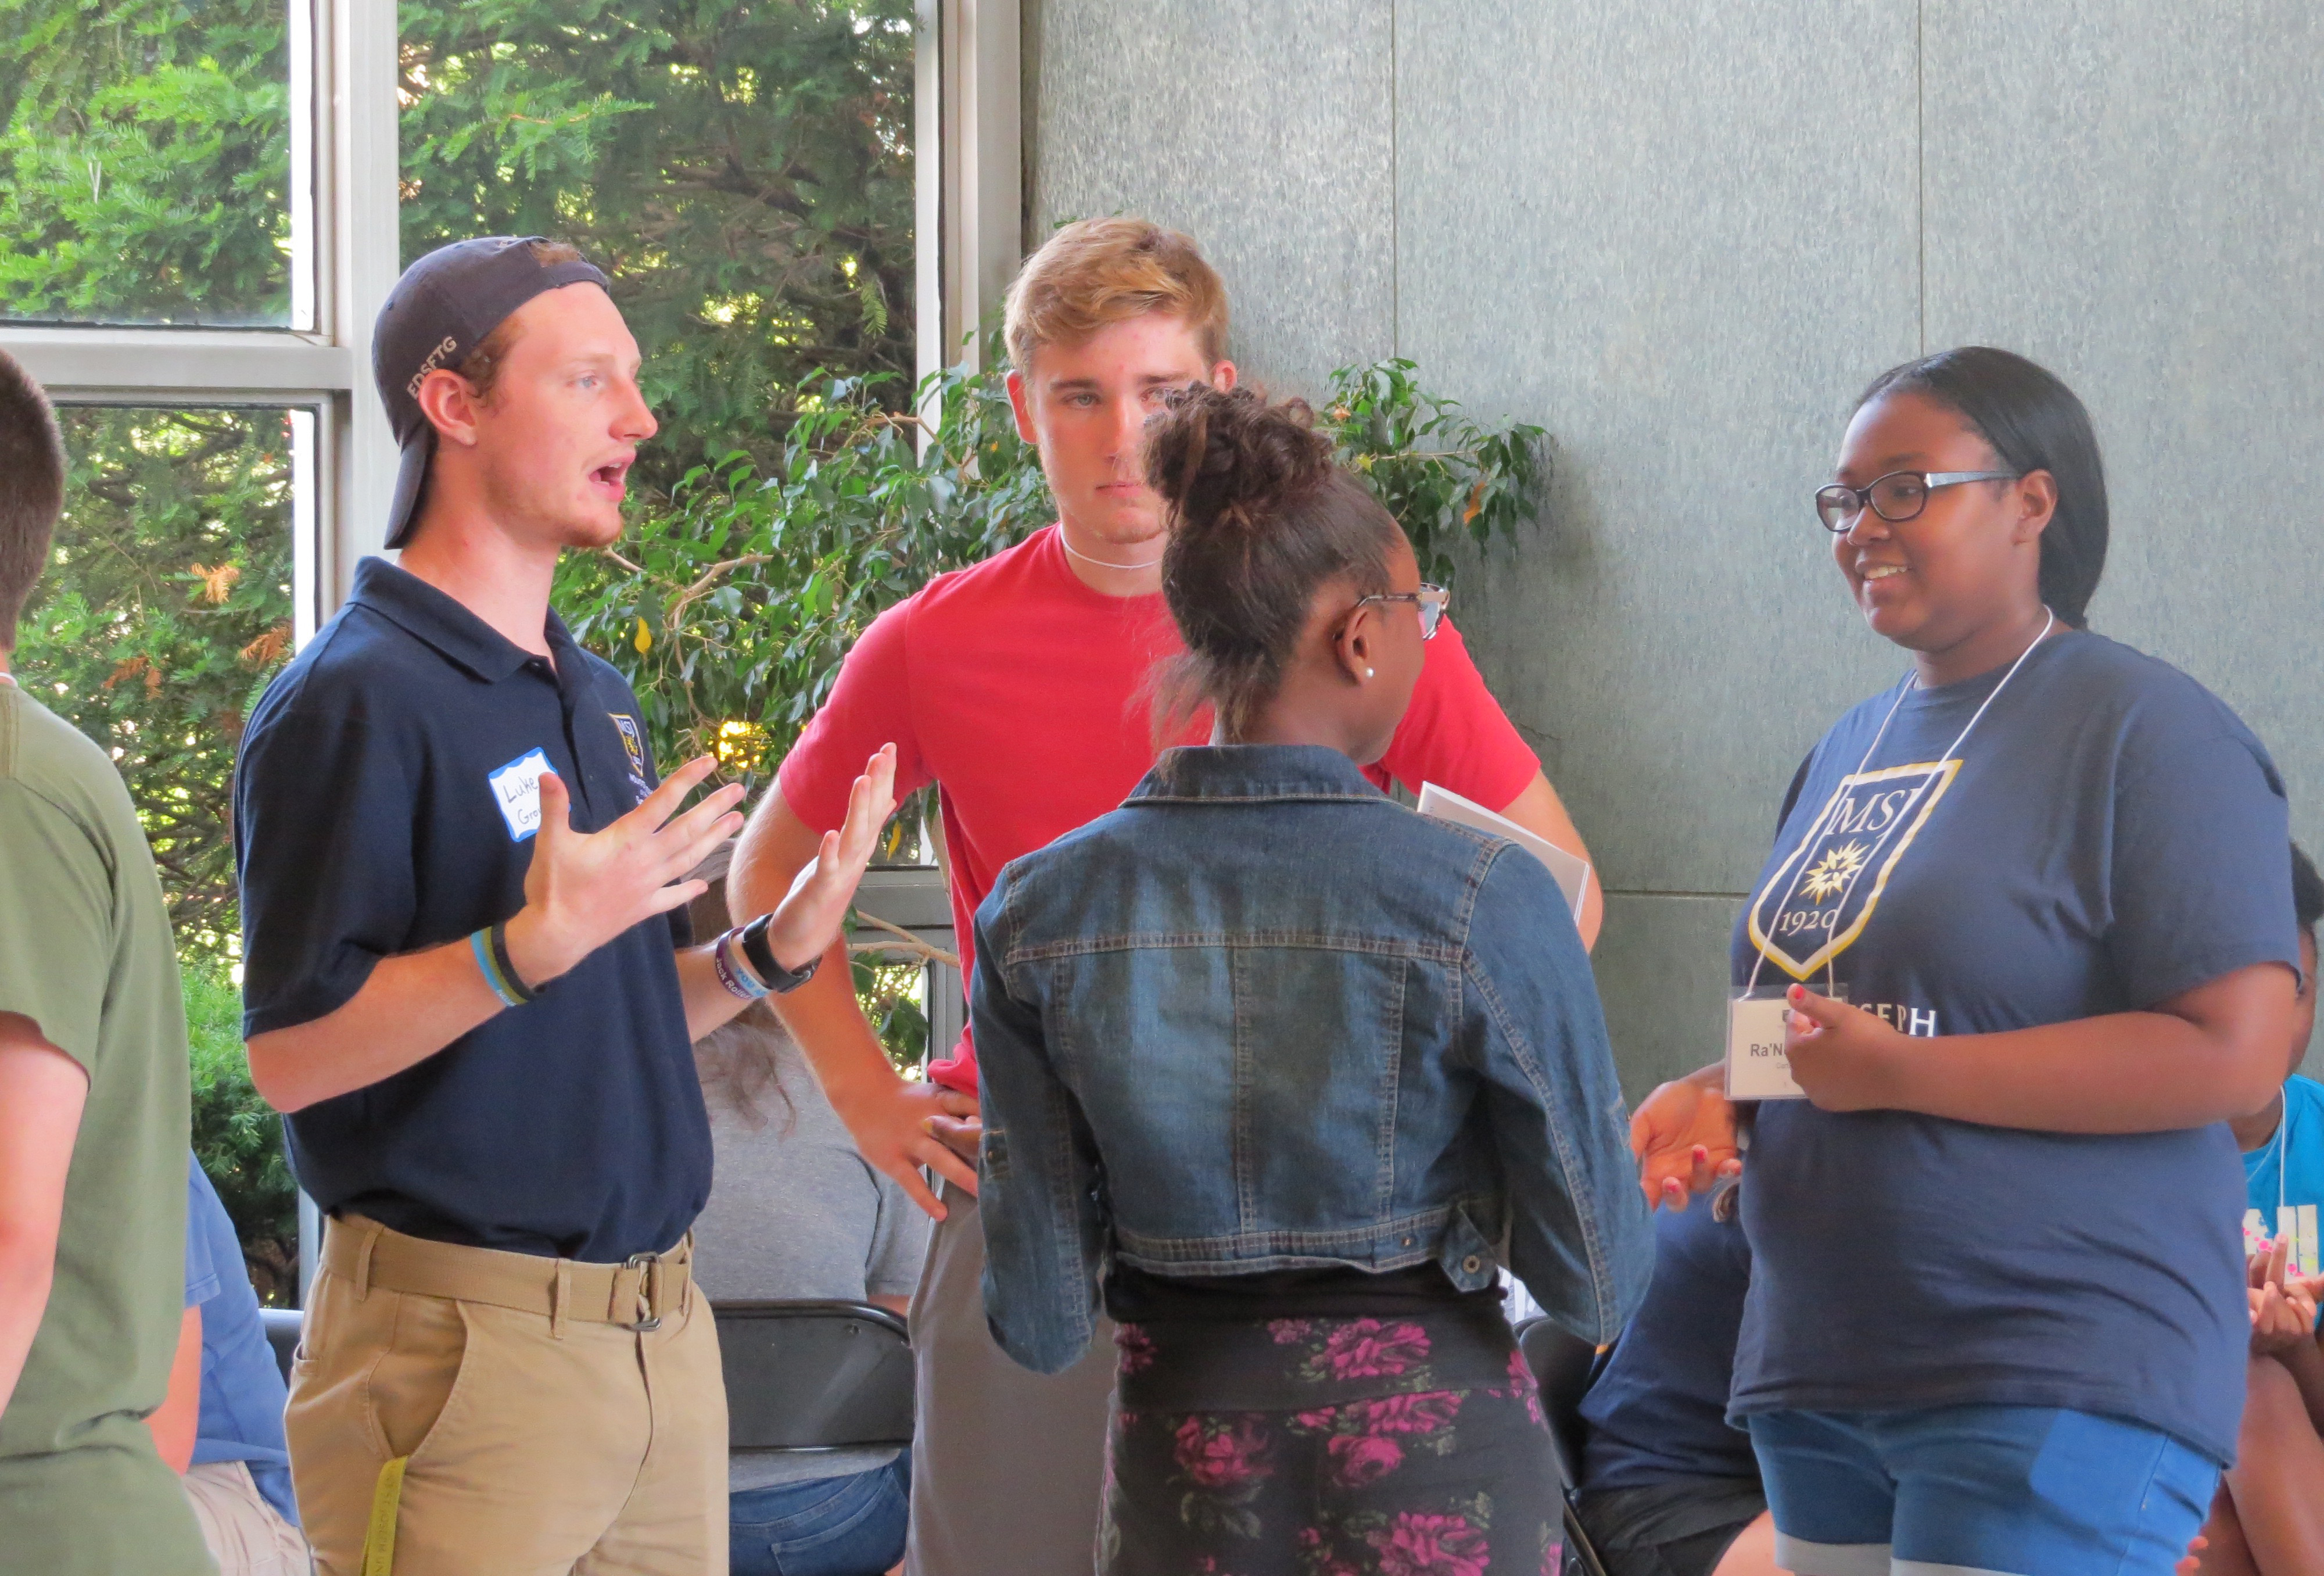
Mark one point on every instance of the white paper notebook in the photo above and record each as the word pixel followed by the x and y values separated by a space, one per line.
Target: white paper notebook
pixel 1572 874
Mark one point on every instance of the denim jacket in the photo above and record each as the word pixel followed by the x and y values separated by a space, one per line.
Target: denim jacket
pixel 1264 1018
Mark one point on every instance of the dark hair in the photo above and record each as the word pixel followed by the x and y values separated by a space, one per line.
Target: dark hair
pixel 1261 518
pixel 2033 423
pixel 2307 893
pixel 32 490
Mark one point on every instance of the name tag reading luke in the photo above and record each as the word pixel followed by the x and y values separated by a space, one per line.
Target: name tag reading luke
pixel 516 789
pixel 1756 1066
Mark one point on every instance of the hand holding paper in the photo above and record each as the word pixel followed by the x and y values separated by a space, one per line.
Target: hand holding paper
pixel 1572 874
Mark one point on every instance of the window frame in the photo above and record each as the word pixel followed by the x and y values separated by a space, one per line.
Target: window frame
pixel 344 259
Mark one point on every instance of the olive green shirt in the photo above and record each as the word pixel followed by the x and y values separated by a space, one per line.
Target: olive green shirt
pixel 86 954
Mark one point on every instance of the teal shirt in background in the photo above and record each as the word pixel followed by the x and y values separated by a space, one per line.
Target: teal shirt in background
pixel 2286 1174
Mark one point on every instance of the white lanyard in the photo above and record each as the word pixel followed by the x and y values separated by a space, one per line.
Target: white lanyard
pixel 1816 827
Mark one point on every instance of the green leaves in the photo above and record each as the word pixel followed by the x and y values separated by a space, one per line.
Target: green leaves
pixel 167 608
pixel 1442 475
pixel 754 586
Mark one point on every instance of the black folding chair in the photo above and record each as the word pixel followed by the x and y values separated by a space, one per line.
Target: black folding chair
pixel 1564 1364
pixel 282 1334
pixel 815 1375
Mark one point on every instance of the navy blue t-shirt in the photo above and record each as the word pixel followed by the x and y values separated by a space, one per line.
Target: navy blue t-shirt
pixel 386 800
pixel 2109 837
pixel 1658 1412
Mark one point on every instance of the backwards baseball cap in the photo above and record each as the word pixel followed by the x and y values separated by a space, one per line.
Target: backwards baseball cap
pixel 443 308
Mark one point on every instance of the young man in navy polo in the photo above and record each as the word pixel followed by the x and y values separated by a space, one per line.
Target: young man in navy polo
pixel 468 982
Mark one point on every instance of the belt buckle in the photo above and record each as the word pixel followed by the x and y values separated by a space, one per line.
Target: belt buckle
pixel 649 1265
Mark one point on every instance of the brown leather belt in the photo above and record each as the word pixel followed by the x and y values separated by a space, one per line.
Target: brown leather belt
pixel 636 1295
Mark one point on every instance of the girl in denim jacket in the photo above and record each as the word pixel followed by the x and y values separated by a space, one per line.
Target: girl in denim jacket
pixel 1283 1071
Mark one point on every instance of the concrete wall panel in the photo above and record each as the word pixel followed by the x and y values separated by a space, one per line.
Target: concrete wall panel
pixel 2133 196
pixel 1657 233
pixel 1651 231
pixel 1263 131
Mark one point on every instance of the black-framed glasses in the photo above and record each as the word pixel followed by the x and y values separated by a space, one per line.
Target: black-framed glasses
pixel 1896 497
pixel 1430 600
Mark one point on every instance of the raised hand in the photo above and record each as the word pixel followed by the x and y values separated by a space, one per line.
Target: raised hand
pixel 1683 1135
pixel 583 888
pixel 808 918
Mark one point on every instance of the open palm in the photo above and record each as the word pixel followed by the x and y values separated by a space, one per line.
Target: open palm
pixel 809 919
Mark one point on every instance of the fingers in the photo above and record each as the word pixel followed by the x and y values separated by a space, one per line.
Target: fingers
pixel 954 1103
pixel 556 807
pixel 1811 1011
pixel 916 1189
pixel 2277 1256
pixel 940 1158
pixel 662 803
pixel 677 895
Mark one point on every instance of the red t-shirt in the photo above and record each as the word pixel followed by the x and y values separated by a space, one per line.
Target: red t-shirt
pixel 1026 696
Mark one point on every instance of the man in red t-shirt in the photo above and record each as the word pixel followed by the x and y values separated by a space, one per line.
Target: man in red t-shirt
pixel 1020 686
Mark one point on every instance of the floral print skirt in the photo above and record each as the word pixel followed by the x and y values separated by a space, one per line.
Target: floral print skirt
pixel 1403 1445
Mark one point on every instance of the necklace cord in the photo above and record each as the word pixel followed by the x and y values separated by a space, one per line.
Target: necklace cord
pixel 1815 829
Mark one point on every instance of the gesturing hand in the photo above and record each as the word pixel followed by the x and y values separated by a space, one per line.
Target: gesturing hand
pixel 1843 1058
pixel 2283 1305
pixel 583 888
pixel 807 920
pixel 1683 1135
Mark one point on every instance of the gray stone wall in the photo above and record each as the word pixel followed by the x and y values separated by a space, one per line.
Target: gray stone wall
pixel 1681 238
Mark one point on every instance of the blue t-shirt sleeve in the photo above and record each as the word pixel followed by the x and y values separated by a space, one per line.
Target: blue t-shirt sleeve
pixel 2199 882
pixel 202 1281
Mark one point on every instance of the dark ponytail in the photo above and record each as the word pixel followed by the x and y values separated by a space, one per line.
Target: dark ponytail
pixel 1261 518
pixel 2033 423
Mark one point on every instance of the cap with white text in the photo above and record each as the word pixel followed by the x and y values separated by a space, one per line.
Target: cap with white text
pixel 443 308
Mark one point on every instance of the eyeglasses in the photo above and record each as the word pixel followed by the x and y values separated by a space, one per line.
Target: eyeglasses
pixel 1430 599
pixel 1896 497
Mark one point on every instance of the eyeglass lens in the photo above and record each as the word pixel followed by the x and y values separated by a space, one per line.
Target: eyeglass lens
pixel 1895 498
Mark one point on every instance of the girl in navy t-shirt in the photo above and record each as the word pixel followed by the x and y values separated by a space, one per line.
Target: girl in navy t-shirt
pixel 2035 918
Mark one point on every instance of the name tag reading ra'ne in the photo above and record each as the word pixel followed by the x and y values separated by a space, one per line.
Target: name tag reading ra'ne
pixel 1756 1066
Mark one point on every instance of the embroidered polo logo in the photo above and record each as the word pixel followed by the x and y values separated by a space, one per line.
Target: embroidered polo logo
pixel 633 744
pixel 516 791
pixel 1819 900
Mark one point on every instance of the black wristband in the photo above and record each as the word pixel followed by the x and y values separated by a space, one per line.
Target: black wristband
pixel 779 978
pixel 515 981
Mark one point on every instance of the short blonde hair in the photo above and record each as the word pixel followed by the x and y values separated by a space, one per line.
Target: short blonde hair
pixel 1094 273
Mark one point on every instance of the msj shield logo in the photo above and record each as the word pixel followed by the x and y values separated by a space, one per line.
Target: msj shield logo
pixel 1820 898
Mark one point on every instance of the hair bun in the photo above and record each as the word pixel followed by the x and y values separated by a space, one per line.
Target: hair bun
pixel 1226 459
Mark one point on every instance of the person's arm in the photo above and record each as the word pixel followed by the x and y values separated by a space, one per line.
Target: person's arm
pixel 1044 1232
pixel 1536 1037
pixel 1541 812
pixel 581 891
pixel 41 1093
pixel 887 1115
pixel 177 1421
pixel 2201 1056
pixel 813 913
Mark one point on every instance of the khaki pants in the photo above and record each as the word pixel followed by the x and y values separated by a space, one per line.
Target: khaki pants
pixel 1008 1465
pixel 246 1536
pixel 537 1432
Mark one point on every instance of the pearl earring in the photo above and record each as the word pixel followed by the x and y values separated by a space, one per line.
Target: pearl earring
pixel 1367 673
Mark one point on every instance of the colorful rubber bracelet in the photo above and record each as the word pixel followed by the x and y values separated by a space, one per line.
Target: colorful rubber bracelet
pixel 732 971
pixel 480 943
pixel 508 964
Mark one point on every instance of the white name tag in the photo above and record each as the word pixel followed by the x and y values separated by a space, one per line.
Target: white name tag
pixel 516 789
pixel 1756 1066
